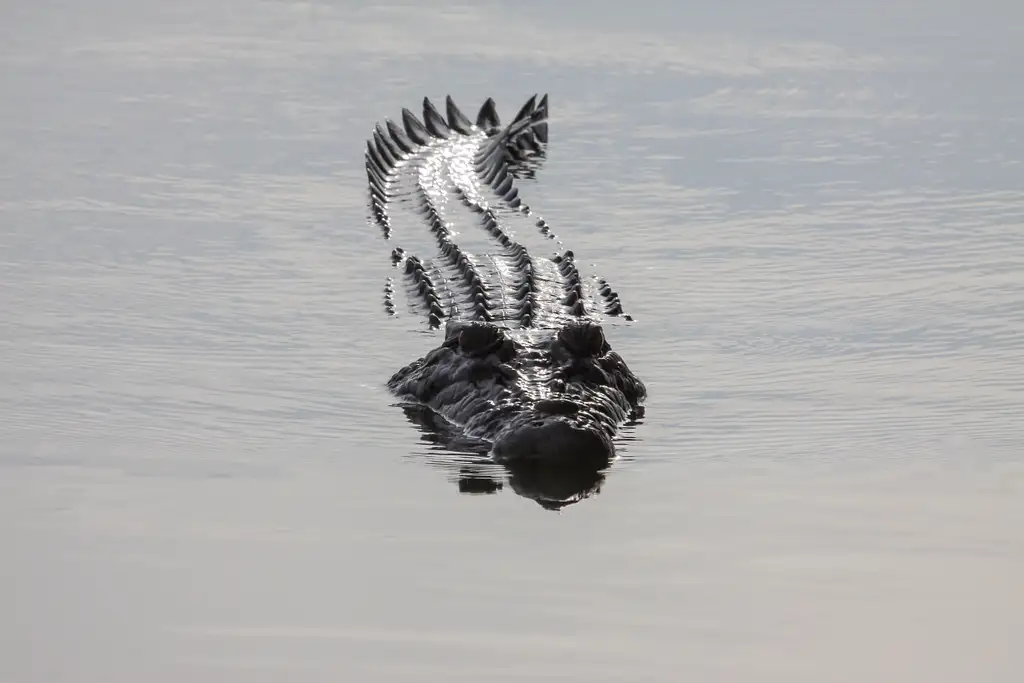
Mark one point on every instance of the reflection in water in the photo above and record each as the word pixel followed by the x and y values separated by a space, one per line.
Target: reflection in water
pixel 553 485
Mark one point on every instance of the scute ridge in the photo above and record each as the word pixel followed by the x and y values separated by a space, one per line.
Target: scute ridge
pixel 525 370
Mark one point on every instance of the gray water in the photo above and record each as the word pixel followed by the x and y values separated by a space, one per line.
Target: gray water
pixel 814 212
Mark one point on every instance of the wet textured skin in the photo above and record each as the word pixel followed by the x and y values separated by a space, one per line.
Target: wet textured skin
pixel 525 373
pixel 551 395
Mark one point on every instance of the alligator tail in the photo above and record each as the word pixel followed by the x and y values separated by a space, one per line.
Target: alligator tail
pixel 390 146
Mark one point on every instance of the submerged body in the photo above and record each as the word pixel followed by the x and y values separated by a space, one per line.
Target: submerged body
pixel 525 372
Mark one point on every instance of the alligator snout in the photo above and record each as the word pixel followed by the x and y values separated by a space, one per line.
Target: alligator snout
pixel 553 439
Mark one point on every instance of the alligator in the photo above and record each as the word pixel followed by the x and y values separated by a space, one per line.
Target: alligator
pixel 525 373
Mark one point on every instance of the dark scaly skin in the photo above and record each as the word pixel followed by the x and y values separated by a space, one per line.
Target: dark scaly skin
pixel 524 373
pixel 553 395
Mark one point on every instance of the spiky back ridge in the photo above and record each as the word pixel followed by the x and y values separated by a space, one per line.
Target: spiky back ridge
pixel 478 162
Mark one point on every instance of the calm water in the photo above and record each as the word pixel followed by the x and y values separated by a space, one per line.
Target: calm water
pixel 814 214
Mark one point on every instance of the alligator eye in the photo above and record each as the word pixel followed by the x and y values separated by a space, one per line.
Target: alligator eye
pixel 583 339
pixel 479 339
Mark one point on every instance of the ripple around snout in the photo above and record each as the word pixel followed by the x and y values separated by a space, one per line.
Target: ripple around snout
pixel 552 479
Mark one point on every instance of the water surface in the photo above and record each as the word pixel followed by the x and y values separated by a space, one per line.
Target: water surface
pixel 814 214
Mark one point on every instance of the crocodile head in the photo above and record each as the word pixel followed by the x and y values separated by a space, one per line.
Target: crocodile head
pixel 547 395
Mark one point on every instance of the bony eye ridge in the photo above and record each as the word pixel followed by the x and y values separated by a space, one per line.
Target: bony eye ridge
pixel 478 340
pixel 585 339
